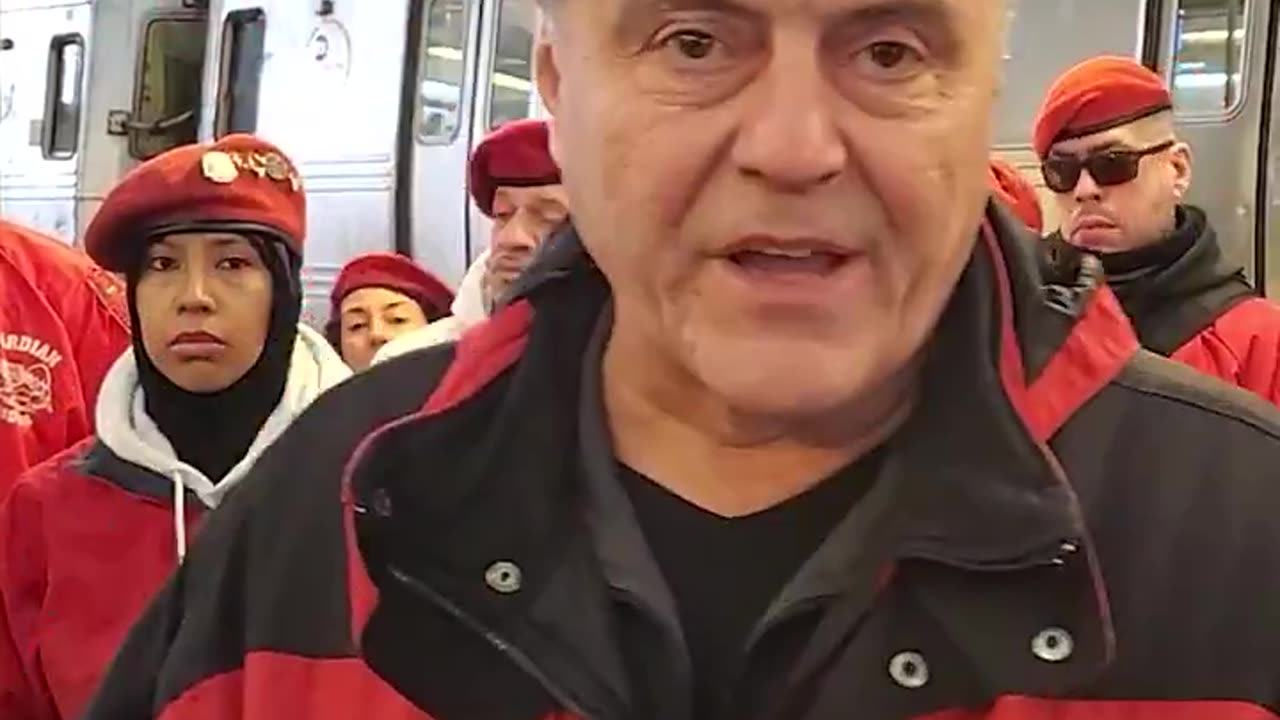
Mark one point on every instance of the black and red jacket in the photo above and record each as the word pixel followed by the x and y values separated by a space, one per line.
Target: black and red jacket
pixel 1072 529
pixel 1200 310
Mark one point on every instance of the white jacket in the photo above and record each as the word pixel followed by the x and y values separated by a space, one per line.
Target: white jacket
pixel 124 426
pixel 469 309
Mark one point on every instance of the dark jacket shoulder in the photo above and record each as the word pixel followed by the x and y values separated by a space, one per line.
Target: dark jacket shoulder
pixel 1176 474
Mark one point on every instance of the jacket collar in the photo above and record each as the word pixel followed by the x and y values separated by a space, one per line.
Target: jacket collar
pixel 125 429
pixel 982 490
pixel 1174 299
pixel 986 490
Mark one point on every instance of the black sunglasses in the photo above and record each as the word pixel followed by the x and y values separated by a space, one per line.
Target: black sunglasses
pixel 1109 167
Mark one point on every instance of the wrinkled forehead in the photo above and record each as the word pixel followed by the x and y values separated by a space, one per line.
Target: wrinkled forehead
pixel 628 14
pixel 507 197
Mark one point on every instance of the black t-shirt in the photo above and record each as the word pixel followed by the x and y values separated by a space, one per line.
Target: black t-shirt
pixel 724 572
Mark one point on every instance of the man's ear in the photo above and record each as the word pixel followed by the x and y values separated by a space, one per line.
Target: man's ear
pixel 1180 160
pixel 545 69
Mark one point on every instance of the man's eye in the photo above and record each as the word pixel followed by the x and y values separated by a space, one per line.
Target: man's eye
pixel 890 60
pixel 889 55
pixel 692 44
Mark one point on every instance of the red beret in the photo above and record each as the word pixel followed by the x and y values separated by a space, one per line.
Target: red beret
pixel 1096 95
pixel 1013 188
pixel 394 272
pixel 240 182
pixel 515 155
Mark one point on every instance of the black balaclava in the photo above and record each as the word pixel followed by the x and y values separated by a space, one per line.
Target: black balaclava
pixel 213 431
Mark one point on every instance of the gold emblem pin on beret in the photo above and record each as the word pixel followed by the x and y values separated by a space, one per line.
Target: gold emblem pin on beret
pixel 277 168
pixel 217 166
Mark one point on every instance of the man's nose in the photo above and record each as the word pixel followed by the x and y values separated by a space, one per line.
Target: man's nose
pixel 789 136
pixel 516 235
pixel 1086 187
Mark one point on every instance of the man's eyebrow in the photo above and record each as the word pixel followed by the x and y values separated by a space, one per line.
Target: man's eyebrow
pixel 937 21
pixel 635 15
pixel 1100 147
pixel 934 12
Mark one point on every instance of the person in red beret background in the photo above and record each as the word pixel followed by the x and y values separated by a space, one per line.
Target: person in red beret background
pixel 62 323
pixel 1111 154
pixel 210 239
pixel 378 297
pixel 515 182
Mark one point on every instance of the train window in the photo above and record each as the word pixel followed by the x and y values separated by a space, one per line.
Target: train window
pixel 511 95
pixel 244 35
pixel 167 105
pixel 441 72
pixel 62 104
pixel 1209 55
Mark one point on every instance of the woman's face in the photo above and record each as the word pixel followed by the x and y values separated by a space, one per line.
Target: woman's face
pixel 204 305
pixel 373 316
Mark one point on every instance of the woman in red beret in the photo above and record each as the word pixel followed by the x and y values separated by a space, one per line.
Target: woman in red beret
pixel 378 297
pixel 209 239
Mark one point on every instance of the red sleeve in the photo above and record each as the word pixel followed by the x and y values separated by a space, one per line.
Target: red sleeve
pixel 99 327
pixel 23 694
pixel 1260 361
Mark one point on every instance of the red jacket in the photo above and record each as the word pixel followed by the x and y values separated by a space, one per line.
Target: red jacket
pixel 1242 346
pixel 63 321
pixel 87 537
pixel 1190 303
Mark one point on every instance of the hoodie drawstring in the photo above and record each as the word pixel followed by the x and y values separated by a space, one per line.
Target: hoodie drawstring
pixel 180 517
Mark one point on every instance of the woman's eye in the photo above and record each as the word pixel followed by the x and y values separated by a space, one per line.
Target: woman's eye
pixel 160 263
pixel 235 263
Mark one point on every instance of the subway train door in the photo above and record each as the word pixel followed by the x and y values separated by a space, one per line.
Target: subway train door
pixel 474 72
pixel 505 90
pixel 1219 58
pixel 42 71
pixel 435 129
pixel 1269 193
pixel 146 62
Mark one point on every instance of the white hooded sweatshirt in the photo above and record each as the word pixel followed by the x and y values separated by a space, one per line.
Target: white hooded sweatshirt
pixel 124 426
pixel 469 309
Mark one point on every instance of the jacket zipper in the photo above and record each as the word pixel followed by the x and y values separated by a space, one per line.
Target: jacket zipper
pixel 508 650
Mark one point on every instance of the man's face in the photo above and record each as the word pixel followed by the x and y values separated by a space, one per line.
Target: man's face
pixel 781 193
pixel 1132 214
pixel 522 219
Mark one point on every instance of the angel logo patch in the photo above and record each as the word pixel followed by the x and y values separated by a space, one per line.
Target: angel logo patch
pixel 26 378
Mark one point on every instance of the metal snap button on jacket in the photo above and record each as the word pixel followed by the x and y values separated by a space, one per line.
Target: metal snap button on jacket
pixel 1052 645
pixel 909 670
pixel 503 577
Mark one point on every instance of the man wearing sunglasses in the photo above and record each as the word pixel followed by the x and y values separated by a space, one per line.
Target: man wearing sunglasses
pixel 1109 152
